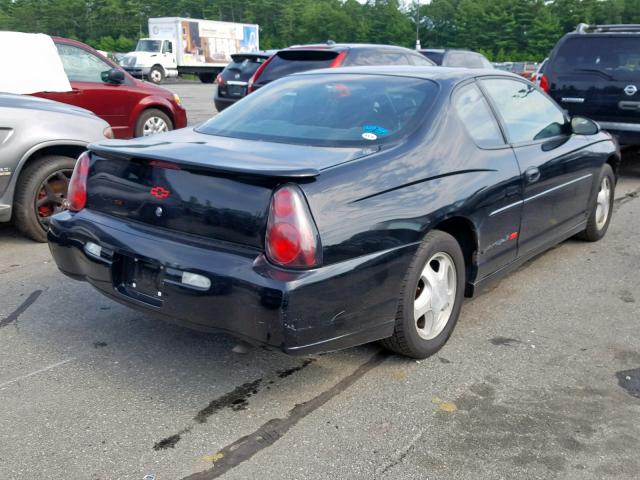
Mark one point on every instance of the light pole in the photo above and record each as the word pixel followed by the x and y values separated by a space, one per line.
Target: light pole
pixel 417 6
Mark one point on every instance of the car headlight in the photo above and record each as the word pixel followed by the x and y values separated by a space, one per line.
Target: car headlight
pixel 108 132
pixel 176 98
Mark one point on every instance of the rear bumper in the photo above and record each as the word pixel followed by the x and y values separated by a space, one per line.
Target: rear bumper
pixel 222 102
pixel 330 308
pixel 627 134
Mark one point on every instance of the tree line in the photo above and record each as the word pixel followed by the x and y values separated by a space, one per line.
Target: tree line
pixel 501 29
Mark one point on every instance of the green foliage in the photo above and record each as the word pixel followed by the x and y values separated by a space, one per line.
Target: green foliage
pixel 501 29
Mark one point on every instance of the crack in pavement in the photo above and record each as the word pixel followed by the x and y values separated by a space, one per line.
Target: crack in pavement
pixel 269 433
pixel 13 316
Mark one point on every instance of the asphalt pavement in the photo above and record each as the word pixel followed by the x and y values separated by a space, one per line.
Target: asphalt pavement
pixel 540 380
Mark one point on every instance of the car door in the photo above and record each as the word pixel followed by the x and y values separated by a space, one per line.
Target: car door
pixel 557 176
pixel 500 201
pixel 86 72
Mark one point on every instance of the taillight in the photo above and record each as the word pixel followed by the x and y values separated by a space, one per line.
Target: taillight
pixel 257 73
pixel 338 60
pixel 544 83
pixel 220 80
pixel 292 238
pixel 77 192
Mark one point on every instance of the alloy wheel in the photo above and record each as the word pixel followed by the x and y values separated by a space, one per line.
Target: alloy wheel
pixel 51 196
pixel 603 203
pixel 435 296
pixel 154 125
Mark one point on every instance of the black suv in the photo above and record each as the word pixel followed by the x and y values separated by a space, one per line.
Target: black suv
pixel 330 55
pixel 232 81
pixel 449 57
pixel 595 72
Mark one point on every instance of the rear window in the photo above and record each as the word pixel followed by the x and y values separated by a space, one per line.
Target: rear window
pixel 613 57
pixel 328 110
pixel 291 61
pixel 434 56
pixel 245 63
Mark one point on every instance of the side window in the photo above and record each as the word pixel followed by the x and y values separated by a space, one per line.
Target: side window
pixel 455 59
pixel 395 58
pixel 473 110
pixel 473 60
pixel 364 56
pixel 528 115
pixel 420 60
pixel 80 65
pixel 168 48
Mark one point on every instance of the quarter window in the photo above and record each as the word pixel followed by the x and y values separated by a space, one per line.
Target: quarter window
pixel 80 65
pixel 528 115
pixel 477 118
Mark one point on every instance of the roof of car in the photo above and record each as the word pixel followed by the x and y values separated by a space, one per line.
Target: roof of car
pixel 343 46
pixel 443 50
pixel 440 74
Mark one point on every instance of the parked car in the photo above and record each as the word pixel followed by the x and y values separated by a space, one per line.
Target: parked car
pixel 231 83
pixel 331 55
pixel 449 57
pixel 338 207
pixel 595 72
pixel 537 77
pixel 40 141
pixel 132 107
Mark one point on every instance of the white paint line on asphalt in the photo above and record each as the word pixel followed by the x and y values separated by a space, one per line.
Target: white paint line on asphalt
pixel 42 370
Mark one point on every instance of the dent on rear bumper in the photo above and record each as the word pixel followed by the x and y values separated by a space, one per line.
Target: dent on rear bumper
pixel 333 307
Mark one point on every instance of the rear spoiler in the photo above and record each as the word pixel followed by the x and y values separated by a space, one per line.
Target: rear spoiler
pixel 220 165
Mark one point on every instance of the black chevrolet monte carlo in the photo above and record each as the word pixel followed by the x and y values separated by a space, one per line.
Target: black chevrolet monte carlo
pixel 338 207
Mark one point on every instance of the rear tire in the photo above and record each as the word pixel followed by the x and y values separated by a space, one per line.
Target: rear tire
pixel 27 216
pixel 207 77
pixel 430 298
pixel 156 74
pixel 153 121
pixel 601 208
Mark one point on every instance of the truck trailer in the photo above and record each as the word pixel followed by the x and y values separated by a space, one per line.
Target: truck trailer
pixel 176 46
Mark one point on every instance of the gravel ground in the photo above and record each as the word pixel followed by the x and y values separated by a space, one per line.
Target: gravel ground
pixel 541 379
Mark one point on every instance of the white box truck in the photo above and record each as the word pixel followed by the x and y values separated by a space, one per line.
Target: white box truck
pixel 187 45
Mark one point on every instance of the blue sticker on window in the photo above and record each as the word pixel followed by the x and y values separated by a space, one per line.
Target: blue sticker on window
pixel 375 129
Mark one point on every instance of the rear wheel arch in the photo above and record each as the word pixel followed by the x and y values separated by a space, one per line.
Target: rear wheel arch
pixel 615 160
pixel 465 233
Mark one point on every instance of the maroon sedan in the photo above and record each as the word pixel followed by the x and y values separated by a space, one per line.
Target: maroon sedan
pixel 132 107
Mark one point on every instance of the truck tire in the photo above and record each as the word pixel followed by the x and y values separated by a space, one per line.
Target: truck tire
pixel 152 121
pixel 207 77
pixel 40 193
pixel 156 74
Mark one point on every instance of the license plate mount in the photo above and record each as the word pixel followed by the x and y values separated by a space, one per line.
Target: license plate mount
pixel 139 279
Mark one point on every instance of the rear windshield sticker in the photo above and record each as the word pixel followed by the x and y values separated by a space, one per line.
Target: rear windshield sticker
pixel 376 130
pixel 369 136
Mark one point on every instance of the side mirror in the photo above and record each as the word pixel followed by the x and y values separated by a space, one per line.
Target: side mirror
pixel 115 76
pixel 584 126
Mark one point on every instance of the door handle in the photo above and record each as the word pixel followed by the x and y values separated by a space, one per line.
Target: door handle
pixel 532 174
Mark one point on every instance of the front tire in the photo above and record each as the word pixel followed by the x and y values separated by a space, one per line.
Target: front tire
pixel 156 74
pixel 152 121
pixel 430 298
pixel 601 208
pixel 41 192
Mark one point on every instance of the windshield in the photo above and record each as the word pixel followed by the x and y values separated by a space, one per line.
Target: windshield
pixel 614 57
pixel 148 45
pixel 328 110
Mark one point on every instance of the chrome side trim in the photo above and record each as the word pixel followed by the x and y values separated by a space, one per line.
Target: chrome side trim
pixel 624 127
pixel 537 195
pixel 558 187
pixel 515 204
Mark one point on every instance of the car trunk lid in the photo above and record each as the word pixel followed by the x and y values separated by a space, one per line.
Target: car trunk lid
pixel 215 187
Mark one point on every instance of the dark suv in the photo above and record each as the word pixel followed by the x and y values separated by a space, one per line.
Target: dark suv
pixel 232 81
pixel 331 55
pixel 449 57
pixel 595 72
